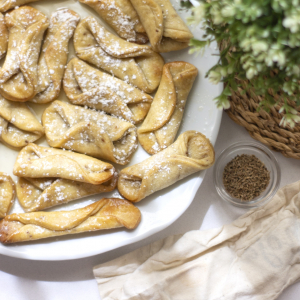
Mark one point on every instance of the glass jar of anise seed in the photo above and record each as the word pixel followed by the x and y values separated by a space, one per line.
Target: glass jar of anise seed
pixel 246 174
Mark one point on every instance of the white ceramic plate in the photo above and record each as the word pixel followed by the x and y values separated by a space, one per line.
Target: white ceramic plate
pixel 158 210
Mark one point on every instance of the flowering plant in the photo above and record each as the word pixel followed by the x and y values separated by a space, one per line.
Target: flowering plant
pixel 261 37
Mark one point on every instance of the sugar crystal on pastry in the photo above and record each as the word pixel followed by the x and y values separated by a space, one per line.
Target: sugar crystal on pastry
pixel 89 132
pixel 96 45
pixel 54 54
pixel 18 125
pixel 7 194
pixel 51 177
pixel 6 5
pixel 42 193
pixel 18 76
pixel 165 29
pixel 85 85
pixel 122 17
pixel 190 153
pixel 36 161
pixel 3 36
pixel 160 127
pixel 103 214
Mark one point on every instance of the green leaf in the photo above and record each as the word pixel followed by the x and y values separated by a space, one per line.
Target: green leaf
pixel 261 42
pixel 186 4
pixel 198 43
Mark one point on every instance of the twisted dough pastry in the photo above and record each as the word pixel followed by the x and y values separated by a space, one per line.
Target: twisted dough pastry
pixel 41 193
pixel 122 17
pixel 41 162
pixel 18 76
pixel 54 54
pixel 3 36
pixel 103 214
pixel 6 5
pixel 85 85
pixel 191 153
pixel 160 127
pixel 7 194
pixel 136 64
pixel 90 132
pixel 18 125
pixel 165 29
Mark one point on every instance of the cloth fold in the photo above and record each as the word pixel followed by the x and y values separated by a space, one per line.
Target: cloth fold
pixel 255 257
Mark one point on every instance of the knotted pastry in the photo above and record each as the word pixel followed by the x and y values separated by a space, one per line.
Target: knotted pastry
pixel 136 64
pixel 41 193
pixel 3 36
pixel 7 194
pixel 90 132
pixel 6 5
pixel 191 153
pixel 160 127
pixel 54 54
pixel 18 125
pixel 165 29
pixel 122 17
pixel 85 85
pixel 103 214
pixel 18 76
pixel 35 161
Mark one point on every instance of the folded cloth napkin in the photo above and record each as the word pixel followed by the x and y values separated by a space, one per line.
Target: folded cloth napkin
pixel 255 257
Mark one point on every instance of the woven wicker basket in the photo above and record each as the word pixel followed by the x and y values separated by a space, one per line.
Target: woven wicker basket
pixel 264 126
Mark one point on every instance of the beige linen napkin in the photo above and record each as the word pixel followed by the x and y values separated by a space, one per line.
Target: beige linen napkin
pixel 255 257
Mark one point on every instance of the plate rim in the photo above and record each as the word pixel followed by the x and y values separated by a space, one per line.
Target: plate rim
pixel 131 240
pixel 65 256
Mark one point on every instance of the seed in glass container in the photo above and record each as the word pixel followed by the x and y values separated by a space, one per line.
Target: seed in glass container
pixel 245 177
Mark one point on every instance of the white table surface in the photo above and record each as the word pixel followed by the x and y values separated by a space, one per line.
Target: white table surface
pixel 31 280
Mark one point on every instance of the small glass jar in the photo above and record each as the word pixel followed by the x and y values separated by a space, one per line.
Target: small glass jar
pixel 264 155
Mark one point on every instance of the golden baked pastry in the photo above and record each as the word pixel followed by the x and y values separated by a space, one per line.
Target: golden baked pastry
pixel 7 194
pixel 122 17
pixel 160 127
pixel 191 153
pixel 90 132
pixel 103 214
pixel 136 64
pixel 3 36
pixel 35 161
pixel 54 54
pixel 85 85
pixel 6 5
pixel 18 125
pixel 18 76
pixel 165 29
pixel 41 193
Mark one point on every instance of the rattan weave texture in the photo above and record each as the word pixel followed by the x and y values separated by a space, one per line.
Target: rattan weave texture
pixel 264 126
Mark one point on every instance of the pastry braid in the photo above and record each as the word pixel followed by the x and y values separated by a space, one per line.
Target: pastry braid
pixel 103 214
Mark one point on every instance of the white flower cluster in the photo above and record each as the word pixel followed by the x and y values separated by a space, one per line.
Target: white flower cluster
pixel 262 36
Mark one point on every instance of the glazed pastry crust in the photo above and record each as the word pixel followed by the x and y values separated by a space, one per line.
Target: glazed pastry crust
pixel 88 86
pixel 136 64
pixel 3 36
pixel 122 17
pixel 6 5
pixel 165 29
pixel 18 76
pixel 89 132
pixel 160 127
pixel 54 54
pixel 36 194
pixel 7 194
pixel 191 153
pixel 103 214
pixel 18 125
pixel 35 161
